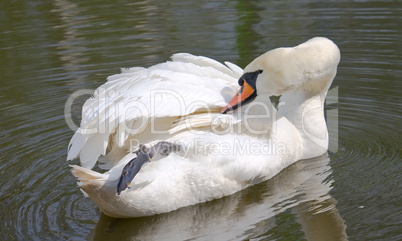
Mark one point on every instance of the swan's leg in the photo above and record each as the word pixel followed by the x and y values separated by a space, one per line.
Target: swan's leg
pixel 144 154
pixel 132 168
pixel 164 148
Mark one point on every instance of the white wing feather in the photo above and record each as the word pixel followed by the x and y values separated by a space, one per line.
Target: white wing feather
pixel 173 89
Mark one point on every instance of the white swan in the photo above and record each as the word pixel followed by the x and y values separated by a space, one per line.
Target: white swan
pixel 181 101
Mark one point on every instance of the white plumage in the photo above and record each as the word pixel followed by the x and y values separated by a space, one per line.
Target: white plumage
pixel 180 101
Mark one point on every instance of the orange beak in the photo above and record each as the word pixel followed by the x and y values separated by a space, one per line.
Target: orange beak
pixel 243 96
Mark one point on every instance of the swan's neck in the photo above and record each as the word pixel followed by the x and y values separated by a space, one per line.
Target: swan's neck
pixel 305 110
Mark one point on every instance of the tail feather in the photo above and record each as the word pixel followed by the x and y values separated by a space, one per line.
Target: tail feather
pixel 94 185
pixel 88 179
pixel 84 174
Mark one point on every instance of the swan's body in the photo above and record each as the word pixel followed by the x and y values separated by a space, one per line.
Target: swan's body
pixel 180 101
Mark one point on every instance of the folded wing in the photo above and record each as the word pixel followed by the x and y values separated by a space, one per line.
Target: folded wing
pixel 128 101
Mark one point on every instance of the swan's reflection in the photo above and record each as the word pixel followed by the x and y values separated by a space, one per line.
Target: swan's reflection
pixel 301 190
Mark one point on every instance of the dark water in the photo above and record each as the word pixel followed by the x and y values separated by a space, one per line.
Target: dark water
pixel 50 49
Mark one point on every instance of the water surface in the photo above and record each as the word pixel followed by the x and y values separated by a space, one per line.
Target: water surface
pixel 49 50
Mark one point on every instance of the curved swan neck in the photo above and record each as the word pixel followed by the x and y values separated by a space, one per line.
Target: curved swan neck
pixel 306 112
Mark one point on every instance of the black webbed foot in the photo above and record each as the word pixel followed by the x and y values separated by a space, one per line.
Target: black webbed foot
pixel 132 168
pixel 144 154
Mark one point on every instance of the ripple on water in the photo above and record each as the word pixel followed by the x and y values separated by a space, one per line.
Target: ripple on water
pixel 52 205
pixel 39 199
pixel 367 163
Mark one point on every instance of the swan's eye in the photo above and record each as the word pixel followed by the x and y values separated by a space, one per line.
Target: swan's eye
pixel 250 78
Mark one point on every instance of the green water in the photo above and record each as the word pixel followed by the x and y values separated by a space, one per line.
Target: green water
pixel 50 49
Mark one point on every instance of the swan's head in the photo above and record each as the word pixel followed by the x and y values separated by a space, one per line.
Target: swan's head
pixel 310 65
